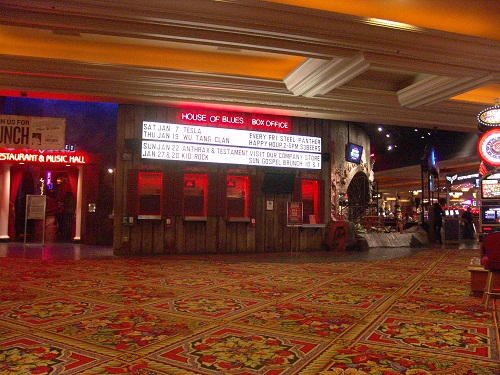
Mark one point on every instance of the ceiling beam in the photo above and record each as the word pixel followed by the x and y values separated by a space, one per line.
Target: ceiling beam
pixel 263 26
pixel 317 77
pixel 434 89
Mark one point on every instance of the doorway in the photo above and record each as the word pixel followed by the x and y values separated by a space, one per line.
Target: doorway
pixel 58 184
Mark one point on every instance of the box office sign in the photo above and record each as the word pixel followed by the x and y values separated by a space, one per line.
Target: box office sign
pixel 38 133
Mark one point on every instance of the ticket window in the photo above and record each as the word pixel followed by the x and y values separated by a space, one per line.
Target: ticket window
pixel 310 201
pixel 237 196
pixel 195 195
pixel 150 185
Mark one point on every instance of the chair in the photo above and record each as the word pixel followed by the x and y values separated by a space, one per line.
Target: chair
pixel 491 262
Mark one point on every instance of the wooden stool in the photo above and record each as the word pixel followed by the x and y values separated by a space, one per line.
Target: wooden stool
pixel 488 288
pixel 491 263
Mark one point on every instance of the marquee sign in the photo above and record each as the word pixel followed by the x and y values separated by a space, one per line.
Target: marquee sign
pixel 38 133
pixel 235 120
pixel 167 141
pixel 488 147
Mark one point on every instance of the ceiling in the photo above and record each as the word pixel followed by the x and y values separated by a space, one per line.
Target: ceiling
pixel 412 63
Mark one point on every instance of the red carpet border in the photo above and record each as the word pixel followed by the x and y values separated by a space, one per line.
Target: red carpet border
pixel 167 315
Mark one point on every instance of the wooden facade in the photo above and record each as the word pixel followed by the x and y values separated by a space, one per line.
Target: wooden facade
pixel 265 230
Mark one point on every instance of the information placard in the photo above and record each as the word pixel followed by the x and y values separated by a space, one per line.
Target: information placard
pixel 35 209
pixel 35 206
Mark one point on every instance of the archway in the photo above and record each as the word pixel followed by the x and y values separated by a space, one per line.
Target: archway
pixel 358 194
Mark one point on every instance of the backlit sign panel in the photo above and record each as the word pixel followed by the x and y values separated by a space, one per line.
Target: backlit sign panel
pixel 38 133
pixel 244 121
pixel 166 141
pixel 34 156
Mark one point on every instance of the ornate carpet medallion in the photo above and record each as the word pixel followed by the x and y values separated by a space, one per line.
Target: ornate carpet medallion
pixel 129 329
pixel 452 338
pixel 49 311
pixel 31 355
pixel 368 359
pixel 239 351
pixel 208 306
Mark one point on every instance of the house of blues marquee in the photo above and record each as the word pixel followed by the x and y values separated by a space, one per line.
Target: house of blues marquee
pixel 198 180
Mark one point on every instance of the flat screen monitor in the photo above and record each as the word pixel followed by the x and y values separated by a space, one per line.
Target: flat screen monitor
pixel 490 190
pixel 354 153
pixel 278 183
pixel 490 214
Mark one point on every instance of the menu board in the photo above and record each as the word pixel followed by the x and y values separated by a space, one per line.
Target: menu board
pixel 166 141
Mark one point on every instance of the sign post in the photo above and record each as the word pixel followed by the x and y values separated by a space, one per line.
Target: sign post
pixel 35 210
pixel 294 212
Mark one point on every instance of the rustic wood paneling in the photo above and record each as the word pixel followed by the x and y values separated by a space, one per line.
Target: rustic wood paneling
pixel 147 233
pixel 135 239
pixel 211 244
pixel 158 237
pixel 217 234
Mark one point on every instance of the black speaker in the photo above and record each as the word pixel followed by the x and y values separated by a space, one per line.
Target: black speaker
pixel 131 143
pixel 325 156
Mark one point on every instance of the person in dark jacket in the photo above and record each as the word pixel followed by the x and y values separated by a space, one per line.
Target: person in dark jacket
pixel 468 224
pixel 438 221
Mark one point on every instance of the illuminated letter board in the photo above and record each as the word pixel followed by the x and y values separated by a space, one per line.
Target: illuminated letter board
pixel 165 141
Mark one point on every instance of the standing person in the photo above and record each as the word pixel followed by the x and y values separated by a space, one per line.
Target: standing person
pixel 468 224
pixel 438 222
pixel 399 221
pixel 69 212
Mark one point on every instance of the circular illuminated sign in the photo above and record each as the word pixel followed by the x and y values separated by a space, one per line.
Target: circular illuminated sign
pixel 489 118
pixel 488 147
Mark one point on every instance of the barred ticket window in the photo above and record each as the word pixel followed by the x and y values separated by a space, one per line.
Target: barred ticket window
pixel 195 195
pixel 150 195
pixel 237 196
pixel 310 201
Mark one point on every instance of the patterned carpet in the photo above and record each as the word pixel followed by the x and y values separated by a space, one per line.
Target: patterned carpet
pixel 166 315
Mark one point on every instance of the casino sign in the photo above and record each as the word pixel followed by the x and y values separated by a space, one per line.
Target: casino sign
pixel 488 147
pixel 489 118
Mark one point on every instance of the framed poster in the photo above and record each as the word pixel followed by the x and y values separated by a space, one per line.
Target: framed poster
pixel 294 214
